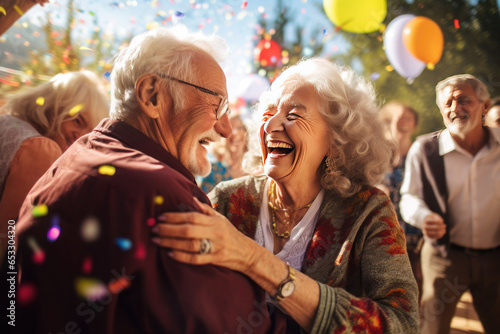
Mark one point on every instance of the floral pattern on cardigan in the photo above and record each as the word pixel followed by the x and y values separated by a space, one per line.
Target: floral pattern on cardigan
pixel 357 255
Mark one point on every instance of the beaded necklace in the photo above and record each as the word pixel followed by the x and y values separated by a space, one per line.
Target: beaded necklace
pixel 272 199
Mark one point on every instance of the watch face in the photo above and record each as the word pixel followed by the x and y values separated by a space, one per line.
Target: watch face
pixel 288 289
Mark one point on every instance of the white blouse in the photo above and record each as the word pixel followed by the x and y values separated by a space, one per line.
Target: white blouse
pixel 295 249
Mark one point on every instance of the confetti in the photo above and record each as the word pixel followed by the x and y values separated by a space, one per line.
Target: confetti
pixel 18 10
pixel 107 170
pixel 159 200
pixel 90 230
pixel 244 4
pixel 179 14
pixel 85 48
pixel 456 23
pixel 75 110
pixel 2 10
pixel 374 76
pixel 40 210
pixel 40 100
pixel 26 294
pixel 389 68
pixel 140 252
pixel 124 243
pixel 151 221
pixel 87 265
pixel 38 254
pixel 90 288
pixel 152 25
pixel 53 233
pixel 118 285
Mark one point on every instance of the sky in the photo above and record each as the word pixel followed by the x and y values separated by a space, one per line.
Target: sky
pixel 234 20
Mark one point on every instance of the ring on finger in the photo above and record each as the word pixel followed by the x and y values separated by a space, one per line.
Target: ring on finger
pixel 205 246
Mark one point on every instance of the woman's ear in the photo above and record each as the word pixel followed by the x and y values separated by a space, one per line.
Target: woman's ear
pixel 147 92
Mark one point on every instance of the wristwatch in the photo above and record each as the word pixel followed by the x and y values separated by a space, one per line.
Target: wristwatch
pixel 287 287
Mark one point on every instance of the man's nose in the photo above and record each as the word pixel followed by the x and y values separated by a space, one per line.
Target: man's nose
pixel 223 126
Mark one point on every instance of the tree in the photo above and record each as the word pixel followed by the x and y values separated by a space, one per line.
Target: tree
pixel 472 47
pixel 292 50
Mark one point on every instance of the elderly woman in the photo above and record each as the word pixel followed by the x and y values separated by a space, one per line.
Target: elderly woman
pixel 315 234
pixel 39 124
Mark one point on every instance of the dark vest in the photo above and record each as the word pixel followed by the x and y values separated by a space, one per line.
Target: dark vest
pixel 435 191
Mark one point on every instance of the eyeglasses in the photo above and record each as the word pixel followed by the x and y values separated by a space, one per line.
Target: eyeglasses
pixel 223 104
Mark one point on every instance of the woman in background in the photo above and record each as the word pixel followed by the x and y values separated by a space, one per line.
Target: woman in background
pixel 401 121
pixel 36 126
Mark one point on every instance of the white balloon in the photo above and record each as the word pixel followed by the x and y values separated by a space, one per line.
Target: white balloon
pixel 400 58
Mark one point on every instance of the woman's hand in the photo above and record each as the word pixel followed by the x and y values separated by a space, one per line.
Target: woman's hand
pixel 182 233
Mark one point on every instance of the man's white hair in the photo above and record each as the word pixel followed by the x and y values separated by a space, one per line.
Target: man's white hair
pixel 162 50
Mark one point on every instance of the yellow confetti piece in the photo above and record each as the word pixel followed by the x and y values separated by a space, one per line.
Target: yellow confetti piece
pixel 18 10
pixel 40 100
pixel 73 111
pixel 389 68
pixel 90 288
pixel 107 170
pixel 159 200
pixel 40 210
pixel 85 48
pixel 152 25
pixel 430 66
pixel 2 10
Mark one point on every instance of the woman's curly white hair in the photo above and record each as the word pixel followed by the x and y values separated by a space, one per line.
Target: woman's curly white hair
pixel 347 102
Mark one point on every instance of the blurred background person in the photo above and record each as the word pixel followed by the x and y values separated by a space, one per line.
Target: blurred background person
pixel 451 191
pixel 36 127
pixel 227 156
pixel 492 118
pixel 401 121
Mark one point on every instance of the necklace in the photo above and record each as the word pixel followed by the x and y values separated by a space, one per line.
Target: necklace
pixel 272 198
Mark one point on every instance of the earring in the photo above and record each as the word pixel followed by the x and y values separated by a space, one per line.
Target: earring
pixel 329 162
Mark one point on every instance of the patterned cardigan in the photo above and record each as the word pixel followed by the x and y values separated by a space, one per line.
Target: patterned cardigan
pixel 357 255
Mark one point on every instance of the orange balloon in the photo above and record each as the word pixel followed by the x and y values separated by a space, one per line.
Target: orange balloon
pixel 424 39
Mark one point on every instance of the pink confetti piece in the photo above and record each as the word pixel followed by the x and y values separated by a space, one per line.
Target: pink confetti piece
pixel 26 294
pixel 151 221
pixel 53 233
pixel 140 252
pixel 244 4
pixel 87 265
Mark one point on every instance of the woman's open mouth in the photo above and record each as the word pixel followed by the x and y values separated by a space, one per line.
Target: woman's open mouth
pixel 279 149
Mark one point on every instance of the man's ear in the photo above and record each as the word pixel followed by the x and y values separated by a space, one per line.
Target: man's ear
pixel 147 92
pixel 487 106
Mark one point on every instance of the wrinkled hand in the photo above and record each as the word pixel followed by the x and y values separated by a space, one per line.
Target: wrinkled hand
pixel 181 232
pixel 434 226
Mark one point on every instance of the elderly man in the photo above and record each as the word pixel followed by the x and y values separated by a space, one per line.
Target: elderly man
pixel 88 262
pixel 451 190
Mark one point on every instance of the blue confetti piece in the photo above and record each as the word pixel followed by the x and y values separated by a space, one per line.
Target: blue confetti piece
pixel 124 243
pixel 179 14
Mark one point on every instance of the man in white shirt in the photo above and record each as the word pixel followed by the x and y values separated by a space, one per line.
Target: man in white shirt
pixel 451 191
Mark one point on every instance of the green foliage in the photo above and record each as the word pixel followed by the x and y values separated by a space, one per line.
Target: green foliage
pixel 472 48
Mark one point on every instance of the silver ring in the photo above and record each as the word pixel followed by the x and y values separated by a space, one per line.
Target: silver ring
pixel 205 246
